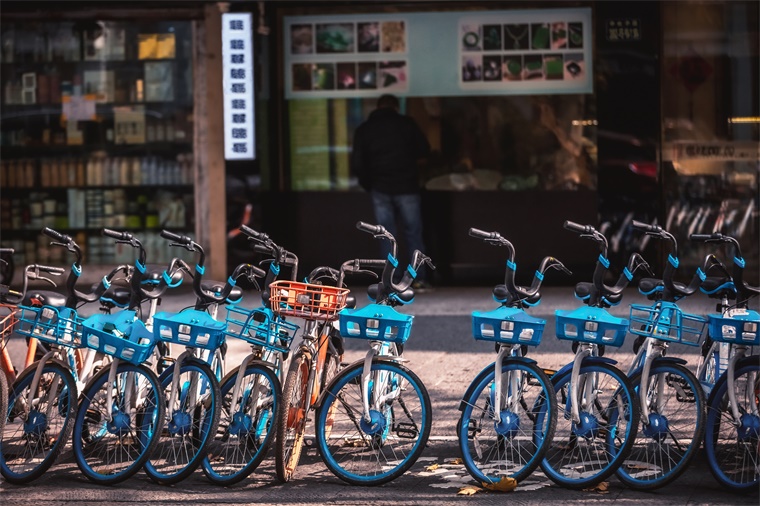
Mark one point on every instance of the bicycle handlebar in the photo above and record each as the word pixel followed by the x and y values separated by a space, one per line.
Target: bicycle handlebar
pixel 31 271
pixel 371 229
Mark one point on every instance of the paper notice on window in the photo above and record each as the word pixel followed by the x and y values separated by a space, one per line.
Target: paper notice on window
pixel 78 107
pixel 129 125
pixel 147 46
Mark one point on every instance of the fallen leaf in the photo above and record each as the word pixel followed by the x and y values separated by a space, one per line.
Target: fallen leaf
pixel 432 467
pixel 469 490
pixel 505 484
pixel 456 462
pixel 602 488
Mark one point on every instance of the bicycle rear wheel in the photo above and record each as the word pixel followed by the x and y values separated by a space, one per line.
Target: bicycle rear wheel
pixel 292 416
pixel 583 454
pixel 113 441
pixel 513 445
pixel 35 435
pixel 733 446
pixel 668 442
pixel 373 452
pixel 188 425
pixel 246 425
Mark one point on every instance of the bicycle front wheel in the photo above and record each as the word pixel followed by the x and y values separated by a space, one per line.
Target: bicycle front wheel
pixel 668 441
pixel 292 416
pixel 246 425
pixel 112 440
pixel 379 446
pixel 512 444
pixel 3 401
pixel 583 453
pixel 35 434
pixel 733 445
pixel 188 425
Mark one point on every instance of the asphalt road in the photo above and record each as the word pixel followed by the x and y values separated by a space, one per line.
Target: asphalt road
pixel 443 353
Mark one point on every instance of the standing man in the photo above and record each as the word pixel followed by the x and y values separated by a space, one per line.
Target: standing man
pixel 388 149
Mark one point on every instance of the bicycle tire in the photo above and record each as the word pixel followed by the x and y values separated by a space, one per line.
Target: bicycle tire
pixel 29 446
pixel 109 452
pixel 665 447
pixel 329 371
pixel 726 445
pixel 243 437
pixel 189 428
pixel 292 416
pixel 3 401
pixel 515 445
pixel 606 430
pixel 374 453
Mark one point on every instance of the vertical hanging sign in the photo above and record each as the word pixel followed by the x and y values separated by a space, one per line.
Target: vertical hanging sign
pixel 237 66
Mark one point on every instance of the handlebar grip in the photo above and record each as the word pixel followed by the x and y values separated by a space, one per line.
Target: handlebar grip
pixel 481 234
pixel 706 237
pixel 260 248
pixel 257 272
pixel 251 232
pixel 7 250
pixel 171 236
pixel 56 271
pixel 645 227
pixel 119 236
pixel 372 263
pixel 54 234
pixel 575 227
pixel 372 229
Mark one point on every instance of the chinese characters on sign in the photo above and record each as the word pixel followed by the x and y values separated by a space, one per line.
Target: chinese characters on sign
pixel 618 30
pixel 237 56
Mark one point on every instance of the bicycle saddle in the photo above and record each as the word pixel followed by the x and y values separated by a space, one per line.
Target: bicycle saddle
pixel 43 297
pixel 717 287
pixel 651 287
pixel 501 294
pixel 583 292
pixel 217 286
pixel 405 297
pixel 118 295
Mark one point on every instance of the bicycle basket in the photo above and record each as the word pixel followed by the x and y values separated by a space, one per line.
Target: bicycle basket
pixel 50 324
pixel 376 322
pixel 666 321
pixel 260 327
pixel 507 325
pixel 120 335
pixel 8 319
pixel 739 326
pixel 591 325
pixel 307 301
pixel 191 328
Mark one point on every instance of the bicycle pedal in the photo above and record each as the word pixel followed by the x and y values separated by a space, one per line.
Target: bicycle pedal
pixel 406 430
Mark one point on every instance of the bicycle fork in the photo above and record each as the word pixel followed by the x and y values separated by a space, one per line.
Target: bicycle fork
pixel 514 384
pixel 654 351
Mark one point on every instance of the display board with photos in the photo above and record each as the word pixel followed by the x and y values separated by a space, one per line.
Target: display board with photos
pixel 503 52
pixel 356 56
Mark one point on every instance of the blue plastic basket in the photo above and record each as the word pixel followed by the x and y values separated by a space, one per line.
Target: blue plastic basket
pixel 61 326
pixel 260 327
pixel 507 325
pixel 740 327
pixel 191 328
pixel 376 322
pixel 667 322
pixel 591 325
pixel 120 335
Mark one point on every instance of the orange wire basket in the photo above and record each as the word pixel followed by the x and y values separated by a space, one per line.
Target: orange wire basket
pixel 307 301
pixel 8 319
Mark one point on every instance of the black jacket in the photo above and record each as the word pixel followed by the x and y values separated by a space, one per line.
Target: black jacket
pixel 385 152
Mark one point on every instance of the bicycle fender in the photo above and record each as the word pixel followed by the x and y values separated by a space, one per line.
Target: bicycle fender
pixel 34 365
pixel 752 360
pixel 259 362
pixel 188 360
pixel 482 374
pixel 587 360
pixel 659 360
pixel 358 363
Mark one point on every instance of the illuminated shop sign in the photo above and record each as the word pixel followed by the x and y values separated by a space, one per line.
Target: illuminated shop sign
pixel 237 68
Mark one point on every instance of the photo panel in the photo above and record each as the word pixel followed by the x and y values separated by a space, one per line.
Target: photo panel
pixel 368 35
pixel 559 35
pixel 393 36
pixel 539 36
pixel 324 76
pixel 346 76
pixel 491 37
pixel 393 75
pixel 533 67
pixel 367 75
pixel 471 38
pixel 472 68
pixel 516 36
pixel 335 38
pixel 575 35
pixel 554 67
pixel 512 67
pixel 492 67
pixel 302 39
pixel 302 76
pixel 575 67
